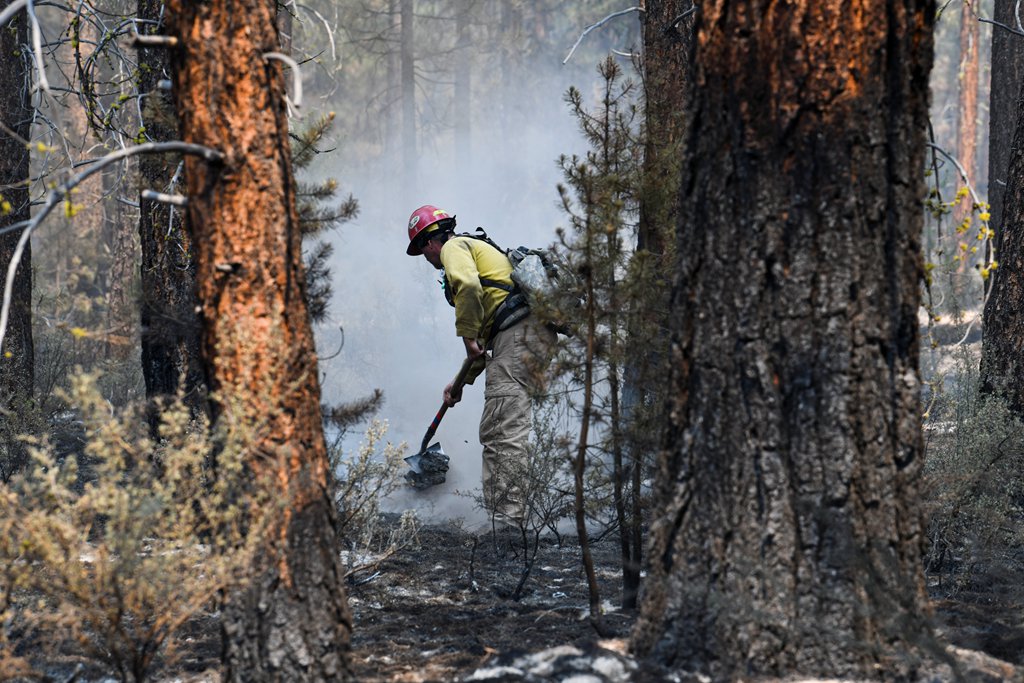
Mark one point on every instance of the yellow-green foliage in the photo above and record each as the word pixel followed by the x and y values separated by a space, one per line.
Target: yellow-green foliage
pixel 109 556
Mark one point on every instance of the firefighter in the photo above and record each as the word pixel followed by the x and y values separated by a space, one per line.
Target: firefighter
pixel 499 334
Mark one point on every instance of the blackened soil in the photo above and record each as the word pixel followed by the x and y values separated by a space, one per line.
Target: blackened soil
pixel 450 606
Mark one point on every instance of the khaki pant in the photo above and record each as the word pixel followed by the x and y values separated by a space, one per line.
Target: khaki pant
pixel 515 373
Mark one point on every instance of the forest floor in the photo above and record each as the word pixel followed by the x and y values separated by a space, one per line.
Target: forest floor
pixel 444 609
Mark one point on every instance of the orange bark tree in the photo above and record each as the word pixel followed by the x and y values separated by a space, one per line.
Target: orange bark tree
pixel 786 537
pixel 292 623
pixel 967 116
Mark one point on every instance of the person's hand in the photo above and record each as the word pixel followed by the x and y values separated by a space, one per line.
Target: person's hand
pixel 452 394
pixel 473 348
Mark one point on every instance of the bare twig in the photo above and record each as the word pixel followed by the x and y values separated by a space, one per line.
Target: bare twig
pixel 153 40
pixel 327 27
pixel 675 22
pixel 62 191
pixel 598 25
pixel 164 198
pixel 296 74
pixel 1018 29
pixel 37 39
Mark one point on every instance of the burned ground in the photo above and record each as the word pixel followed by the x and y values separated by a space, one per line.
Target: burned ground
pixel 443 609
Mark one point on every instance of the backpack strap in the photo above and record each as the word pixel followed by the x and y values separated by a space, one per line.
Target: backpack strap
pixel 486 282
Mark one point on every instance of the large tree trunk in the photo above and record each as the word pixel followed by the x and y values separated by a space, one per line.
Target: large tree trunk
pixel 787 537
pixel 292 623
pixel 1007 74
pixel 1002 364
pixel 171 355
pixel 16 362
pixel 1001 369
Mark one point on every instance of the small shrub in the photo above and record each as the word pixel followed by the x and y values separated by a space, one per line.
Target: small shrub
pixel 113 567
pixel 364 479
pixel 974 492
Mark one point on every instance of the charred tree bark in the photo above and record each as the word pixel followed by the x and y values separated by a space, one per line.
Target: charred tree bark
pixel 1002 365
pixel 667 35
pixel 17 367
pixel 171 354
pixel 1007 75
pixel 292 623
pixel 786 537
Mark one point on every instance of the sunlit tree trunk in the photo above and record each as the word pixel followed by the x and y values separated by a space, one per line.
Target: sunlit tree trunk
pixel 968 99
pixel 292 623
pixel 16 360
pixel 171 356
pixel 786 537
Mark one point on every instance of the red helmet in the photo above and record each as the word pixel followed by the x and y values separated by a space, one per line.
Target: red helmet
pixel 420 221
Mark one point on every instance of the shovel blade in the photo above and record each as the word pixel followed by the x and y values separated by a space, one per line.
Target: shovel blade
pixel 428 467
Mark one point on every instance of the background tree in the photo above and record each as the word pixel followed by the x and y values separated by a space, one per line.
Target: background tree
pixel 171 358
pixel 1002 368
pixel 1007 74
pixel 786 519
pixel 293 622
pixel 17 366
pixel 967 113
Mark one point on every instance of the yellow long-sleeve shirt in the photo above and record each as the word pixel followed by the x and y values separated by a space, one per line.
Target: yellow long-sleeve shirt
pixel 466 261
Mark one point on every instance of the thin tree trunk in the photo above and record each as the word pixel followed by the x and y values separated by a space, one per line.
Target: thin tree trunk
pixel 393 75
pixel 410 156
pixel 786 538
pixel 968 101
pixel 583 444
pixel 292 623
pixel 171 354
pixel 17 367
pixel 463 89
pixel 121 286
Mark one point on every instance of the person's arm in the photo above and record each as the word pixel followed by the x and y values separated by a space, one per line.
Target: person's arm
pixel 474 352
pixel 464 276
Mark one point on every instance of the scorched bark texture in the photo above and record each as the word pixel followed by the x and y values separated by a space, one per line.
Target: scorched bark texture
pixel 1002 364
pixel 293 624
pixel 171 357
pixel 787 537
pixel 16 363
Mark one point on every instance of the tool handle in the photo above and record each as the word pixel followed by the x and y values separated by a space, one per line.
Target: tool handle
pixel 459 380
